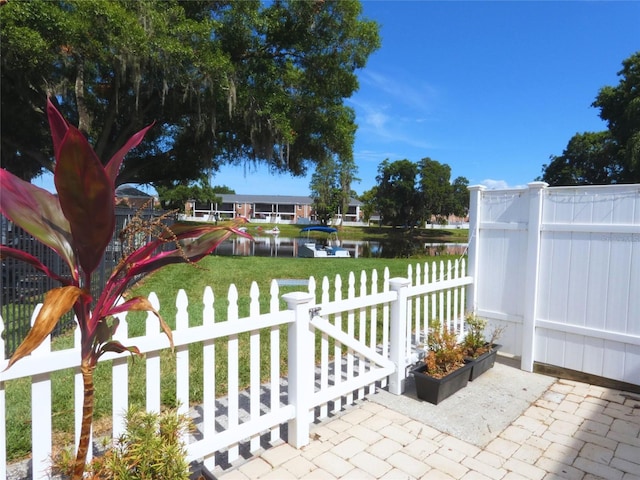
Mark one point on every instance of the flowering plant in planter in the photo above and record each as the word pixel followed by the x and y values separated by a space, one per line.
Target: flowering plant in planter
pixel 78 224
pixel 481 351
pixel 444 370
pixel 444 354
pixel 475 343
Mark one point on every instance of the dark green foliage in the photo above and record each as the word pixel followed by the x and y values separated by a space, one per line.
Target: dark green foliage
pixel 397 193
pixel 611 156
pixel 227 82
pixel 174 198
pixel 589 159
pixel 331 187
pixel 408 194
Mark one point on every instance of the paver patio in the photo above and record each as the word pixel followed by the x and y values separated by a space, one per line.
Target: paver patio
pixel 571 431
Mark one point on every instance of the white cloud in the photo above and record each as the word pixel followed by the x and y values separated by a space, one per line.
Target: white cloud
pixel 376 119
pixel 375 124
pixel 494 184
pixel 499 184
pixel 418 97
pixel 374 156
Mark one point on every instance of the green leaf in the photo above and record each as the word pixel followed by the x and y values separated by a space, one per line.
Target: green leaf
pixel 87 197
pixel 104 331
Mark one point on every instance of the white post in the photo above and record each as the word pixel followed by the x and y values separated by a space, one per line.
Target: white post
pixel 398 335
pixel 532 271
pixel 301 374
pixel 475 217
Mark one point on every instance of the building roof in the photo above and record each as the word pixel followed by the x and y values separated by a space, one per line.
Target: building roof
pixel 279 199
pixel 131 192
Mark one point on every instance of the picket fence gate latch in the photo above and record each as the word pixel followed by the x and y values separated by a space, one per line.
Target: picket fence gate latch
pixel 314 312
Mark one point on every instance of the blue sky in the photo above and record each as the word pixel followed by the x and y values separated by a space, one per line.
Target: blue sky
pixel 490 88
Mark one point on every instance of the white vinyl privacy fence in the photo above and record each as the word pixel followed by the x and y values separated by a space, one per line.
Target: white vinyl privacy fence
pixel 560 267
pixel 341 341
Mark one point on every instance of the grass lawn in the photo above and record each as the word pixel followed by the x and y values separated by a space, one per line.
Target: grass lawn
pixel 214 271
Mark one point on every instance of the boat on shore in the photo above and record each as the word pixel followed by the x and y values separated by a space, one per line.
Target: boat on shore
pixel 273 231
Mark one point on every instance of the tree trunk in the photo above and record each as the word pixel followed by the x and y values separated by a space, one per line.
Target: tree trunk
pixel 84 120
pixel 87 420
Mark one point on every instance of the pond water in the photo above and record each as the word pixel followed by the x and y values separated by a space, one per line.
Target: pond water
pixel 278 246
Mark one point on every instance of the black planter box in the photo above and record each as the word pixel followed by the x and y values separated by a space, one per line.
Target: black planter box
pixel 483 363
pixel 434 390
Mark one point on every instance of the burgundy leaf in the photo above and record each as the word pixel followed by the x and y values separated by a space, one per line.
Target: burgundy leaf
pixel 133 304
pixel 10 252
pixel 117 347
pixel 196 243
pixel 58 125
pixel 113 166
pixel 38 212
pixel 87 197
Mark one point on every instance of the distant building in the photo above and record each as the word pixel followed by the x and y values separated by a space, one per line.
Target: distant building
pixel 128 196
pixel 267 209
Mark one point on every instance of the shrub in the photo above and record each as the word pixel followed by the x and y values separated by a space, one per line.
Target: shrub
pixel 150 449
pixel 475 342
pixel 444 353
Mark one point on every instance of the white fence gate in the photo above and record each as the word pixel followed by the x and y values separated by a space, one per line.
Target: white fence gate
pixel 369 327
pixel 560 266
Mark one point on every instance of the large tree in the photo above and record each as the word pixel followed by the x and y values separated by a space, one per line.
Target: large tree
pixel 409 193
pixel 435 186
pixel 620 108
pixel 175 198
pixel 460 197
pixel 610 156
pixel 589 159
pixel 370 204
pixel 325 190
pixel 397 196
pixel 226 81
pixel 346 176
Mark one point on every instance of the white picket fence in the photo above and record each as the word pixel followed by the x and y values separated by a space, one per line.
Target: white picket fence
pixel 371 330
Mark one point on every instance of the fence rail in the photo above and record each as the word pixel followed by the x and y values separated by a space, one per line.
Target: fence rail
pixel 337 350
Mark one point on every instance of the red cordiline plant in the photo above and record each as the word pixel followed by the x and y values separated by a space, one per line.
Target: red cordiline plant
pixel 78 224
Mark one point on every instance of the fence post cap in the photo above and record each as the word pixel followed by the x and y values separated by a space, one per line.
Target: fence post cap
pixel 297 298
pixel 399 282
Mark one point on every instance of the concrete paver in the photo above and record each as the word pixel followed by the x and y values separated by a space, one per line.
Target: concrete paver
pixel 569 431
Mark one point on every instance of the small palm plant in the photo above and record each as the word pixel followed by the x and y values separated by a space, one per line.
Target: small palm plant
pixel 151 447
pixel 78 224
